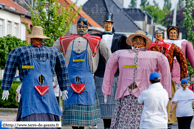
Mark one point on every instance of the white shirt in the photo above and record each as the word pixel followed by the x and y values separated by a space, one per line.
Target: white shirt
pixel 18 91
pixel 108 39
pixel 184 99
pixel 155 100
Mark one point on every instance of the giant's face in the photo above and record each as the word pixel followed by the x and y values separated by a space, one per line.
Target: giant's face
pixel 36 40
pixel 159 36
pixel 81 30
pixel 173 34
pixel 108 26
pixel 139 42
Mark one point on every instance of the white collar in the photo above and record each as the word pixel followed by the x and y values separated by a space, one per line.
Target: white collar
pixel 157 85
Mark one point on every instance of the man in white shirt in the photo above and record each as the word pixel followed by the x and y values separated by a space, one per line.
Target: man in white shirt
pixel 155 100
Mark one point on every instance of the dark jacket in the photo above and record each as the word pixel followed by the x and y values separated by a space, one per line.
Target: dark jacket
pixel 118 42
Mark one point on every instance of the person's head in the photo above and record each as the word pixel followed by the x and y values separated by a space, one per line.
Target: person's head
pixel 37 35
pixel 108 22
pixel 139 40
pixel 184 83
pixel 82 26
pixel 173 32
pixel 159 35
pixel 154 77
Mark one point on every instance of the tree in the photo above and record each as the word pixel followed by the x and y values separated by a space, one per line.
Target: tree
pixel 155 4
pixel 7 43
pixel 144 3
pixel 53 17
pixel 189 23
pixel 133 4
pixel 180 4
pixel 167 4
pixel 157 14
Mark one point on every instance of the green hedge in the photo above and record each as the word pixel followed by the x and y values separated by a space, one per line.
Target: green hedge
pixel 10 103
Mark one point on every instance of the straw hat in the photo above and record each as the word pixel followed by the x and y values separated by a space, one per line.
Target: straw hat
pixel 139 33
pixel 37 32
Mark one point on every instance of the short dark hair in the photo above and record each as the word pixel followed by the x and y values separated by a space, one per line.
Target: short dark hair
pixel 154 81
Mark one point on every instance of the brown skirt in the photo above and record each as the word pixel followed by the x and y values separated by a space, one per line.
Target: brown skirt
pixel 174 118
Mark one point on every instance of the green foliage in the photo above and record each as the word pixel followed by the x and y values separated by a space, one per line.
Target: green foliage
pixel 144 3
pixel 180 4
pixel 53 17
pixel 10 103
pixel 155 4
pixel 189 23
pixel 133 4
pixel 157 13
pixel 7 43
pixel 167 4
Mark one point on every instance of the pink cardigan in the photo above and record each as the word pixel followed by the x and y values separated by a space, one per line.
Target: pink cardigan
pixel 148 61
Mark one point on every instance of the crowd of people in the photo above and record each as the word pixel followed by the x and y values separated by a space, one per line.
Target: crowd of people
pixel 129 82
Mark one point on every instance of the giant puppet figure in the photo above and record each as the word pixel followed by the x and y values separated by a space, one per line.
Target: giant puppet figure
pixel 135 66
pixel 170 50
pixel 36 65
pixel 115 42
pixel 81 52
pixel 187 48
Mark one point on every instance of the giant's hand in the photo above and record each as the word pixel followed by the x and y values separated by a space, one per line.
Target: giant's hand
pixel 105 99
pixel 64 94
pixel 5 94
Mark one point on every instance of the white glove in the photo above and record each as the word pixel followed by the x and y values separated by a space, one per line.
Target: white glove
pixel 64 95
pixel 105 99
pixel 5 94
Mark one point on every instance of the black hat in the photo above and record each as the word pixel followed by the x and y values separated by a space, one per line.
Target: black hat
pixel 108 17
pixel 82 21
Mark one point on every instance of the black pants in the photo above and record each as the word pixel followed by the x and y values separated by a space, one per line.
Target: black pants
pixel 184 122
pixel 107 123
pixel 77 127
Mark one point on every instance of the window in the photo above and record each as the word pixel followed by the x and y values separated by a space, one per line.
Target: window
pixel 8 27
pixel 16 30
pixel 23 32
pixel 1 28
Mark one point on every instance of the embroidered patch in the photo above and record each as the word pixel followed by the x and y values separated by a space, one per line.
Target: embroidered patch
pixel 78 60
pixel 42 90
pixel 27 66
pixel 129 66
pixel 78 88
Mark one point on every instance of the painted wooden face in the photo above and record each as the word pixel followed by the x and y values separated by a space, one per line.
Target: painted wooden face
pixel 139 42
pixel 173 34
pixel 108 26
pixel 36 40
pixel 83 28
pixel 159 36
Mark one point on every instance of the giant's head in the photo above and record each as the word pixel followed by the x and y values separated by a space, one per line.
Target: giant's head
pixel 173 32
pixel 82 26
pixel 159 35
pixel 108 21
pixel 139 40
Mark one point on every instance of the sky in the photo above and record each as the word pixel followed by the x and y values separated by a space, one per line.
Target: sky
pixel 127 2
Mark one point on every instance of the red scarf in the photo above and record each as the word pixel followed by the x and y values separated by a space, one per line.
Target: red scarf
pixel 38 45
pixel 94 42
pixel 166 45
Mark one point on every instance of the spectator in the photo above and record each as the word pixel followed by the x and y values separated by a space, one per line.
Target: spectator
pixel 155 100
pixel 183 98
pixel 18 95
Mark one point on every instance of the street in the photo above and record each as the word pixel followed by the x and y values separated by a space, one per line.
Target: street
pixel 10 116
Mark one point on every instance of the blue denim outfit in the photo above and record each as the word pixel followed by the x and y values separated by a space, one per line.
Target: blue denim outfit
pixel 32 101
pixel 81 70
